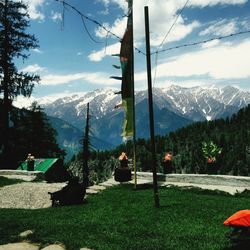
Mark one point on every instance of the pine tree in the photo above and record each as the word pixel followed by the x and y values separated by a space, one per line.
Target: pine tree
pixel 42 137
pixel 31 132
pixel 14 43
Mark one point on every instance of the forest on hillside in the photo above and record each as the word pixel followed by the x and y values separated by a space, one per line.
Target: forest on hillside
pixel 24 132
pixel 30 132
pixel 231 135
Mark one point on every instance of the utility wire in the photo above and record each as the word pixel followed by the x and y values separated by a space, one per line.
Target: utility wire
pixel 63 16
pixel 173 24
pixel 106 42
pixel 202 42
pixel 95 22
pixel 90 36
pixel 83 23
pixel 158 51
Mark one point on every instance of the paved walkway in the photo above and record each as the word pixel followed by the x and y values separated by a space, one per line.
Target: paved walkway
pixel 22 174
pixel 32 246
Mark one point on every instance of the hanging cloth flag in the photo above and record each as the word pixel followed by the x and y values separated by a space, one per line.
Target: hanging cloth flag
pixel 116 77
pixel 126 66
pixel 116 66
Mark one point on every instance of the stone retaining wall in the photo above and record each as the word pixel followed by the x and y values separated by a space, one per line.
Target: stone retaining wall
pixel 224 180
pixel 22 174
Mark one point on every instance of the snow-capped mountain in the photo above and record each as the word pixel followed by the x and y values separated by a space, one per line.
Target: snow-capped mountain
pixel 195 103
pixel 174 107
pixel 199 103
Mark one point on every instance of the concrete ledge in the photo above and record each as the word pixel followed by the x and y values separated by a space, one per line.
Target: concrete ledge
pixel 224 180
pixel 22 174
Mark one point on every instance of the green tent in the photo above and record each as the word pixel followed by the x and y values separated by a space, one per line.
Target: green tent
pixel 53 169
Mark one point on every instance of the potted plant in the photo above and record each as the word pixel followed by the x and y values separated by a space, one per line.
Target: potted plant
pixel 210 152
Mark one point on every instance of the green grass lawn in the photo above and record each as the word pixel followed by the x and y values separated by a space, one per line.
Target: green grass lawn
pixel 122 218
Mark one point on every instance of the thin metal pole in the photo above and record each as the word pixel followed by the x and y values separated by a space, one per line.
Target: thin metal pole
pixel 150 107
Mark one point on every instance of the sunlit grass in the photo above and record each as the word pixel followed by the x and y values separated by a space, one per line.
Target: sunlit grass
pixel 122 218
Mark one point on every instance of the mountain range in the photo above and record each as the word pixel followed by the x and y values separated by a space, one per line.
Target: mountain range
pixel 174 107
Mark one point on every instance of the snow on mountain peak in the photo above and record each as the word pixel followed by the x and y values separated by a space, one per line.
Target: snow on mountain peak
pixel 194 103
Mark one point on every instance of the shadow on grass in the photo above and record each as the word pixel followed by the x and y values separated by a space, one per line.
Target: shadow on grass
pixel 239 246
pixel 4 181
pixel 170 205
pixel 245 193
pixel 143 186
pixel 166 203
pixel 192 189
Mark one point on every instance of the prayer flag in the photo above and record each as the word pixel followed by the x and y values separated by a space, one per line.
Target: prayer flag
pixel 126 66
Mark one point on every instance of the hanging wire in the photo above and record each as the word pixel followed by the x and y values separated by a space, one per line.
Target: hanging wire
pixel 106 42
pixel 86 29
pixel 158 50
pixel 63 16
pixel 96 22
pixel 173 24
pixel 156 65
pixel 164 39
pixel 202 42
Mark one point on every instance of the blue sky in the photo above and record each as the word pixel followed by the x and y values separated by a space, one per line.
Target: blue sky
pixel 68 61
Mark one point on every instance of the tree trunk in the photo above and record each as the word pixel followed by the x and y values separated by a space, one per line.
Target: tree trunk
pixel 6 101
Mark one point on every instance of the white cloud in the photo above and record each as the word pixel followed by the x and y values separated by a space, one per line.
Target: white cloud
pixel 33 9
pixel 184 83
pixel 117 28
pixel 221 28
pixel 33 68
pixel 227 61
pixel 121 3
pixel 90 77
pixel 205 3
pixel 180 31
pixel 162 14
pixel 246 23
pixel 171 3
pixel 210 65
pixel 56 16
pixel 38 51
pixel 97 56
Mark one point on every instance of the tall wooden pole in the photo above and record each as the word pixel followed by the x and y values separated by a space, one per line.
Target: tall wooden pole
pixel 86 151
pixel 133 96
pixel 151 111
